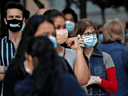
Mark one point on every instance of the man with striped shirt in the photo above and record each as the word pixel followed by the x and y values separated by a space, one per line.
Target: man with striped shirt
pixel 14 19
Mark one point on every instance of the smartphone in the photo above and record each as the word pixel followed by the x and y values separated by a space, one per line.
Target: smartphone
pixel 79 37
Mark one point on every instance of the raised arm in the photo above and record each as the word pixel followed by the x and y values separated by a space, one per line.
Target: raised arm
pixel 80 67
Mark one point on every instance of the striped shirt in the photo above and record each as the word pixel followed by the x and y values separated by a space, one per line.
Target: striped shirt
pixel 7 50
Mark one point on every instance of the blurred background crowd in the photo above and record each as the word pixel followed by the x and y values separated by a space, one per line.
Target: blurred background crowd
pixel 100 11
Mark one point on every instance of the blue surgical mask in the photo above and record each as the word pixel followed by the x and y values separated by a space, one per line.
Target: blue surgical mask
pixel 41 14
pixel 70 26
pixel 53 39
pixel 101 37
pixel 23 27
pixel 126 35
pixel 90 42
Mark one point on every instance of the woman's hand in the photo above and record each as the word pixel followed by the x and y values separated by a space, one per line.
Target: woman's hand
pixel 80 66
pixel 73 43
pixel 2 70
pixel 93 80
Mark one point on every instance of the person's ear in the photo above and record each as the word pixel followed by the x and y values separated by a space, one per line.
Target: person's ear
pixel 29 62
pixel 5 20
pixel 35 61
pixel 29 58
pixel 24 21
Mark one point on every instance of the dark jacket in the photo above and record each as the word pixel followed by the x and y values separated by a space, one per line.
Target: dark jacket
pixel 67 86
pixel 16 72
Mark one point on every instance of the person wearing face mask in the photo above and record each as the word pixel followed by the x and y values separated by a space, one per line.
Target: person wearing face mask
pixel 74 56
pixel 99 29
pixel 46 76
pixel 126 36
pixel 71 19
pixel 102 69
pixel 37 25
pixel 14 19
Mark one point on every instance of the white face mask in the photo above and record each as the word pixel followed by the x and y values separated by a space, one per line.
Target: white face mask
pixel 90 42
pixel 27 69
pixel 61 36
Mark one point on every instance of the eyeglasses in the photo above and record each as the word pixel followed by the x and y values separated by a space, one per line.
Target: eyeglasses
pixel 88 34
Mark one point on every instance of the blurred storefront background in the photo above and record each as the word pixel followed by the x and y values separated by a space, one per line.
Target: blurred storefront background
pixel 93 11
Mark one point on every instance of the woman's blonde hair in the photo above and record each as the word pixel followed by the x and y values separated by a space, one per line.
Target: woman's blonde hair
pixel 113 30
pixel 122 21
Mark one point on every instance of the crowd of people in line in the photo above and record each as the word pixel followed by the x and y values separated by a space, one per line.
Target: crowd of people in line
pixel 52 53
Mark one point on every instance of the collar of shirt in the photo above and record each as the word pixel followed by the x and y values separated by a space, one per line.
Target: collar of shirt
pixel 7 38
pixel 97 52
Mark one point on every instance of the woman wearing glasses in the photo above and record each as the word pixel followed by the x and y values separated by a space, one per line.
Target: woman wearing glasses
pixel 103 75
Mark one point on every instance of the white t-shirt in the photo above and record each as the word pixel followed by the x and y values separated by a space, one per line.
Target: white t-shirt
pixel 70 56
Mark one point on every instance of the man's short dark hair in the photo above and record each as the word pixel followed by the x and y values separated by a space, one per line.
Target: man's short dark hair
pixel 69 10
pixel 11 5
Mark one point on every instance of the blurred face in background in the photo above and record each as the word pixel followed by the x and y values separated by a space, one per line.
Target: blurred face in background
pixel 45 29
pixel 69 17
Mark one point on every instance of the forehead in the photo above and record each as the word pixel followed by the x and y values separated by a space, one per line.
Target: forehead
pixel 14 12
pixel 45 28
pixel 68 15
pixel 89 29
pixel 59 20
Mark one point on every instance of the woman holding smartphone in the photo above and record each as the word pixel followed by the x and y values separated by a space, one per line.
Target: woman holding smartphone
pixel 102 69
